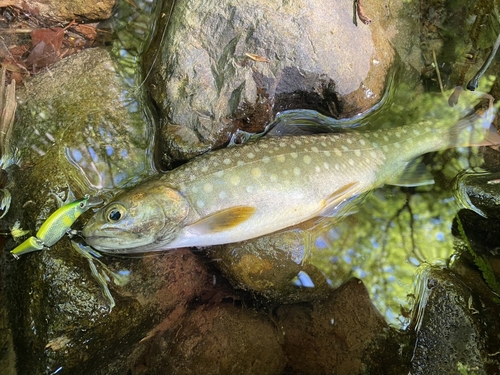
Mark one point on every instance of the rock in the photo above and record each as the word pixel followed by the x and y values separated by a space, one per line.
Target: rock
pixel 221 339
pixel 451 329
pixel 69 10
pixel 270 266
pixel 221 65
pixel 61 319
pixel 77 129
pixel 80 121
pixel 338 336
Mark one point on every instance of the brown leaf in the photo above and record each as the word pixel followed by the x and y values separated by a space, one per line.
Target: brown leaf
pixel 52 36
pixel 257 57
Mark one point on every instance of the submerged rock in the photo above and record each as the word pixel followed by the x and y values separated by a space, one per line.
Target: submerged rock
pixel 345 334
pixel 273 266
pixel 454 325
pixel 217 65
pixel 221 339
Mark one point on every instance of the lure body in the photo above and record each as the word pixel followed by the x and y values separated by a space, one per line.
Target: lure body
pixel 56 225
pixel 28 246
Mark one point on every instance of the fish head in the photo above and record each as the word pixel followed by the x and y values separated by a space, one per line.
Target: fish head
pixel 139 220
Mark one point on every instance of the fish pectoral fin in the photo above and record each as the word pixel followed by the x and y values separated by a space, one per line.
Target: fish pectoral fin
pixel 415 173
pixel 224 219
pixel 337 203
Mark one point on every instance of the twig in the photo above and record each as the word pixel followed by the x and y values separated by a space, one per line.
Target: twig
pixel 437 71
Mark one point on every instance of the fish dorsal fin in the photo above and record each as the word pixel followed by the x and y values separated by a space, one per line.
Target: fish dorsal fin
pixel 223 220
pixel 335 203
pixel 415 173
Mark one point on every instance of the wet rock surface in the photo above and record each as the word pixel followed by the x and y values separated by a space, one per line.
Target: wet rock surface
pixel 220 339
pixel 454 327
pixel 80 121
pixel 222 66
pixel 270 267
pixel 343 335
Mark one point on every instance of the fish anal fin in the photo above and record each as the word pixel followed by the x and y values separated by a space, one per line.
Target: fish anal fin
pixel 415 173
pixel 223 220
pixel 334 204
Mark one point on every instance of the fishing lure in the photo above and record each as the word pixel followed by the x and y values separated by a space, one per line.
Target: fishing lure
pixel 56 225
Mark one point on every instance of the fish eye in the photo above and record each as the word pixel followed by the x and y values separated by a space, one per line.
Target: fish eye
pixel 82 204
pixel 115 213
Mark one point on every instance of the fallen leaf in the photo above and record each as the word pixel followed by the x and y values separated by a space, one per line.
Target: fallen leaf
pixel 257 57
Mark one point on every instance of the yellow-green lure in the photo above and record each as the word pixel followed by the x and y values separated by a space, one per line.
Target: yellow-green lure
pixel 56 226
pixel 31 244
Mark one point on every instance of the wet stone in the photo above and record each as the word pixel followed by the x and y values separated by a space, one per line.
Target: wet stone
pixel 222 339
pixel 206 81
pixel 344 335
pixel 450 333
pixel 272 267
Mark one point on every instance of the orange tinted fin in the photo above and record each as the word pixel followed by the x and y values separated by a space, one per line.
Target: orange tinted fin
pixel 224 219
pixel 335 202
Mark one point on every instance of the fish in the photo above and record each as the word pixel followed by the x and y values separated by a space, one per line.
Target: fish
pixel 251 190
pixel 56 226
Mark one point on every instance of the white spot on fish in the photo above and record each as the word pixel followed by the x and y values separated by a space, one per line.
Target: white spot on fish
pixel 337 167
pixel 373 154
pixel 235 180
pixel 427 129
pixel 323 144
pixel 281 158
pixel 266 159
pixel 296 171
pixel 294 155
pixel 250 155
pixel 227 161
pixel 376 134
pixel 351 162
pixel 297 142
pixel 349 140
pixel 273 178
pixel 256 172
pixel 385 148
pixel 293 146
pixel 204 168
pixel 386 138
pixel 337 152
pixel 327 153
pixel 239 163
pixel 317 169
pixel 208 187
pixel 362 142
pixel 222 195
pixel 326 165
pixel 282 144
pixel 314 149
pixel 200 203
pixel 357 152
pixel 249 189
pixel 307 159
pixel 416 132
pixel 397 144
pixel 219 174
pixel 194 189
pixel 397 134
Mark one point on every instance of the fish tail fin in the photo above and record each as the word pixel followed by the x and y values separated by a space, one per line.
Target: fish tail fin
pixel 476 129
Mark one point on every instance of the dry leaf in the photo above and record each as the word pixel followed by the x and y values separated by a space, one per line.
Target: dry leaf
pixel 257 57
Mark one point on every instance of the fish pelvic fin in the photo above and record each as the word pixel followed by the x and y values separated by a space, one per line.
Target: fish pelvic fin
pixel 223 220
pixel 335 204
